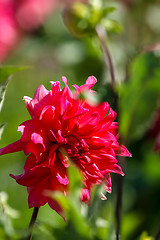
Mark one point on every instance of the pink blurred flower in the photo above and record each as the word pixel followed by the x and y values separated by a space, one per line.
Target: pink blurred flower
pixel 9 30
pixel 65 128
pixel 32 13
pixel 18 17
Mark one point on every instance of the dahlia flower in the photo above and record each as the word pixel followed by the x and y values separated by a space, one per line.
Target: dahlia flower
pixel 65 128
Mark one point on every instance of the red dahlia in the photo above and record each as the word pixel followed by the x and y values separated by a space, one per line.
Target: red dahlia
pixel 65 127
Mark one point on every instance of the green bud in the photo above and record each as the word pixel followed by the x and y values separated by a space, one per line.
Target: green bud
pixel 82 18
pixel 76 17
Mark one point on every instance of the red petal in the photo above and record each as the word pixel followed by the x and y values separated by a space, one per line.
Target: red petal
pixel 13 147
pixel 115 169
pixel 37 197
pixel 85 195
pixel 32 177
pixel 55 206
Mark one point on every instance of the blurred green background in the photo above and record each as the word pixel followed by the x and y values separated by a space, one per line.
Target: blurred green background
pixel 52 52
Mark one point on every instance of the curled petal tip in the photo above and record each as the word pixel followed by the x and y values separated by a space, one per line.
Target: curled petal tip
pixel 12 176
pixel 103 197
pixel 62 180
pixel 64 79
pixel 27 99
pixel 91 81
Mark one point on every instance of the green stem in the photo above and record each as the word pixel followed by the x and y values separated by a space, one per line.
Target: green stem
pixel 157 237
pixel 32 222
pixel 118 211
pixel 102 35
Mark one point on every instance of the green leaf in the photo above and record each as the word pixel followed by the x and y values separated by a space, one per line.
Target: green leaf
pixel 139 96
pixel 82 19
pixel 128 228
pixel 72 209
pixel 3 86
pixel 75 179
pixel 71 204
pixel 6 73
pixel 108 10
pixel 6 214
pixel 144 236
pixel 112 26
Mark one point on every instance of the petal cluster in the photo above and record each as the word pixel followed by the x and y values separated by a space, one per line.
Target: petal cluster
pixel 65 128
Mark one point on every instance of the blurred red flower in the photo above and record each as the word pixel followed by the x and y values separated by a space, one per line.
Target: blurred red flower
pixel 18 17
pixel 65 127
pixel 9 30
pixel 32 13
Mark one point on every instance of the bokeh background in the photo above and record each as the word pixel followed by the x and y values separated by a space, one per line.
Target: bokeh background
pixel 53 48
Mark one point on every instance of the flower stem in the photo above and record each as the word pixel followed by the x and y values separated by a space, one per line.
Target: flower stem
pixel 119 182
pixel 32 222
pixel 157 237
pixel 102 35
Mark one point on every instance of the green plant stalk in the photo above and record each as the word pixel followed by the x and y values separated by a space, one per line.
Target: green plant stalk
pixel 157 237
pixel 32 222
pixel 102 35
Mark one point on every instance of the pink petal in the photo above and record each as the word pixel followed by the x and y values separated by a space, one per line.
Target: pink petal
pixel 85 195
pixel 48 114
pixel 29 105
pixel 108 184
pixel 60 172
pixel 123 151
pixel 103 197
pixel 63 158
pixel 91 81
pixel 62 180
pixel 38 139
pixel 66 92
pixel 116 169
pixel 40 93
pixel 55 90
pixel 64 79
pixel 27 128
pixel 33 105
